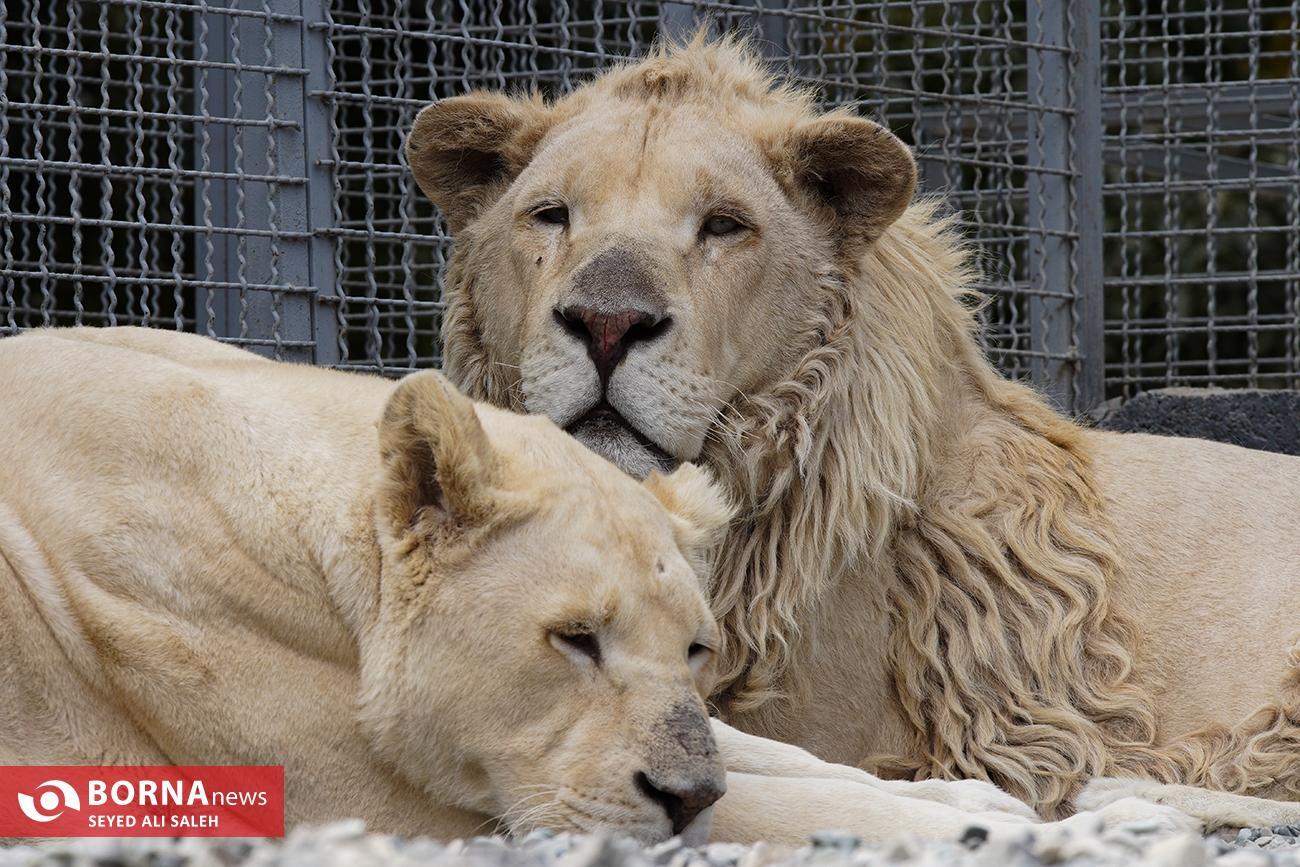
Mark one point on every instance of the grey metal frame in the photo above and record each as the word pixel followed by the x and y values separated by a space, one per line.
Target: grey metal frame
pixel 1129 169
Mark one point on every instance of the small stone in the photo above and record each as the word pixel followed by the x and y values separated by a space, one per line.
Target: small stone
pixel 1184 850
pixel 1245 858
pixel 333 833
pixel 1263 840
pixel 839 841
pixel 1145 827
pixel 725 854
pixel 765 855
pixel 662 853
pixel 898 852
pixel 591 852
pixel 974 837
pixel 1244 836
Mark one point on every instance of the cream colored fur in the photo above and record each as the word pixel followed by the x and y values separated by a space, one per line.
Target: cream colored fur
pixel 932 573
pixel 210 558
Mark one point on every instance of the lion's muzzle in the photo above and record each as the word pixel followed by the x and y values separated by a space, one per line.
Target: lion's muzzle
pixel 685 775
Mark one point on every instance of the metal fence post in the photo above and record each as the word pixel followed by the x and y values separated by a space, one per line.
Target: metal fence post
pixel 214 194
pixel 256 217
pixel 321 183
pixel 1089 182
pixel 1064 227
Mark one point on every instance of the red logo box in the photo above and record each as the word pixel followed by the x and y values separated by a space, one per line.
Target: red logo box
pixel 141 801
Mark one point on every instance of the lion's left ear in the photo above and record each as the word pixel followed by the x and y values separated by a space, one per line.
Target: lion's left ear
pixel 437 459
pixel 700 510
pixel 856 168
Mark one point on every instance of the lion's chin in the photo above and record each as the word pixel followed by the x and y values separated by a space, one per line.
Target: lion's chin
pixel 608 435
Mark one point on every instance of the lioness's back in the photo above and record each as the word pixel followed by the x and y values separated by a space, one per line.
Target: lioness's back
pixel 125 399
pixel 136 447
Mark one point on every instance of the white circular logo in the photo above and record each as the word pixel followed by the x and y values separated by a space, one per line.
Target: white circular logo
pixel 57 797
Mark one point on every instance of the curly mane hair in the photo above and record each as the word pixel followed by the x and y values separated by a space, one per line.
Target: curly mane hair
pixel 893 441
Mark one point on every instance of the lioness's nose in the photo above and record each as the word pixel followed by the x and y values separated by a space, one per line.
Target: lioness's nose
pixel 609 333
pixel 684 799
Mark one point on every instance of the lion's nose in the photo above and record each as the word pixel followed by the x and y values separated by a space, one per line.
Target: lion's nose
pixel 609 333
pixel 682 800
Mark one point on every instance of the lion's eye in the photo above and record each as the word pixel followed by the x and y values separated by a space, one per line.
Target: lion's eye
pixel 719 225
pixel 556 215
pixel 579 644
pixel 697 652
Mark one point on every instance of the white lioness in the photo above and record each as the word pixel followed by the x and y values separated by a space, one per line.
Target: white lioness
pixel 931 572
pixel 433 615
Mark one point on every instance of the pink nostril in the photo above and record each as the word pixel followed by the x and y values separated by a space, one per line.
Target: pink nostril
pixel 608 334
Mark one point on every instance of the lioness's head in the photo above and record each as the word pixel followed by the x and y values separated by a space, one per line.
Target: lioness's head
pixel 540 649
pixel 635 256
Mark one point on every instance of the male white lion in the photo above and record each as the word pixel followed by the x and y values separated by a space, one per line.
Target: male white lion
pixel 932 573
pixel 433 615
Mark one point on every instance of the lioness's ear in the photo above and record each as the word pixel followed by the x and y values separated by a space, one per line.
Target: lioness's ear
pixel 464 150
pixel 436 456
pixel 699 507
pixel 858 169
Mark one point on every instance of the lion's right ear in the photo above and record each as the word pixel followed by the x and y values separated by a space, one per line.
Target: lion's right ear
pixel 701 511
pixel 464 150
pixel 437 460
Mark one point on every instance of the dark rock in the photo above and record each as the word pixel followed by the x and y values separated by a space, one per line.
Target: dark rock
pixel 1268 420
pixel 840 841
pixel 974 837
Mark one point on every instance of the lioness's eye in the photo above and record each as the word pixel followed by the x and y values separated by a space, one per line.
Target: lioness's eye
pixel 584 644
pixel 718 225
pixel 556 215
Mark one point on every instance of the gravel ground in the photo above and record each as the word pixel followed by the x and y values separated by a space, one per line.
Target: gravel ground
pixel 347 844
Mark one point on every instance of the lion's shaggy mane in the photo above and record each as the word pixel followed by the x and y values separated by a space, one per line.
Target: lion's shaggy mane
pixel 1008 658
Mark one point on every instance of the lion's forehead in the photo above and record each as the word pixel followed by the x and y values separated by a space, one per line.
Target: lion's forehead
pixel 626 572
pixel 666 153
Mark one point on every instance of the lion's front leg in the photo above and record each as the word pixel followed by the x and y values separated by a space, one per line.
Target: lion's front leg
pixel 750 754
pixel 1215 809
pixel 787 810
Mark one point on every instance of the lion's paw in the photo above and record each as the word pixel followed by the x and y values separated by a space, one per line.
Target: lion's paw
pixel 1135 815
pixel 971 796
pixel 1103 791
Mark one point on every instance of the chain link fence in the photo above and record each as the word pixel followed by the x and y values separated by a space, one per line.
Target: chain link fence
pixel 1202 199
pixel 1128 169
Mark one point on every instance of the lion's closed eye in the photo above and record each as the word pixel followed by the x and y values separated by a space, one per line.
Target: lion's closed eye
pixel 580 646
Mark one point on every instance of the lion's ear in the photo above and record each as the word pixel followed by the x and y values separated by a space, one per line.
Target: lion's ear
pixel 858 169
pixel 464 150
pixel 700 509
pixel 437 460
